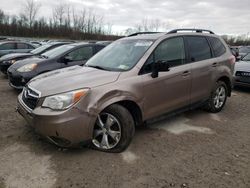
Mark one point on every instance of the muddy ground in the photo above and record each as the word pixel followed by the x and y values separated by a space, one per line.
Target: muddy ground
pixel 194 149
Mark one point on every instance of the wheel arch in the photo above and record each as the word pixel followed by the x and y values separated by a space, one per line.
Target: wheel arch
pixel 128 102
pixel 228 83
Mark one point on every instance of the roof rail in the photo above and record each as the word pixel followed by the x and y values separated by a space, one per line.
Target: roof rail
pixel 194 30
pixel 142 33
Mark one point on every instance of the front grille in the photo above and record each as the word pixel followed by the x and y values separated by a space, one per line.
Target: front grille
pixel 16 81
pixel 30 97
pixel 243 74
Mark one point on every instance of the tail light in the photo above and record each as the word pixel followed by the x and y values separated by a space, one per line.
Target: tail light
pixel 232 60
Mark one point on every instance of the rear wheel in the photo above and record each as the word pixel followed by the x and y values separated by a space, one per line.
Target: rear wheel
pixel 113 130
pixel 218 98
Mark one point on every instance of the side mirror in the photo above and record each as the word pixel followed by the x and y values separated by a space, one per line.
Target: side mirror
pixel 66 59
pixel 159 66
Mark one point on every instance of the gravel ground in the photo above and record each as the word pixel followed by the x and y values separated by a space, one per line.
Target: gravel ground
pixel 194 149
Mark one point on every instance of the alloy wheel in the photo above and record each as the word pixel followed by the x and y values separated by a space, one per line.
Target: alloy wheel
pixel 220 97
pixel 107 131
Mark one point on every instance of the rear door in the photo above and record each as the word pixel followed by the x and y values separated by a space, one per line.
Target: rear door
pixel 200 58
pixel 23 47
pixel 79 56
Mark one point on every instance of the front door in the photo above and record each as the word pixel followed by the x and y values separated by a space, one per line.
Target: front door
pixel 170 90
pixel 78 56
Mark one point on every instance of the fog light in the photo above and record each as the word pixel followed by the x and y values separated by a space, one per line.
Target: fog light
pixel 23 80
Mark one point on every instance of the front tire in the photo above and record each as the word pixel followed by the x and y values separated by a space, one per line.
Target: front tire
pixel 113 130
pixel 218 98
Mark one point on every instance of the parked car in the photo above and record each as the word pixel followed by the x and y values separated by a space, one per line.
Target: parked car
pixel 7 47
pixel 132 80
pixel 64 56
pixel 7 60
pixel 242 72
pixel 244 50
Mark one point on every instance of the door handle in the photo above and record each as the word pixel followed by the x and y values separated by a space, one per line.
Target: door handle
pixel 186 73
pixel 214 64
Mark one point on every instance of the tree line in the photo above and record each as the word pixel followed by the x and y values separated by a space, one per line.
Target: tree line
pixel 65 22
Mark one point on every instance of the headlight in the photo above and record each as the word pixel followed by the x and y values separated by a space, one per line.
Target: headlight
pixel 12 61
pixel 27 68
pixel 65 100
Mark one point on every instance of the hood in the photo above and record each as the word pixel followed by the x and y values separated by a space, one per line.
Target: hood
pixel 30 60
pixel 14 56
pixel 71 78
pixel 242 66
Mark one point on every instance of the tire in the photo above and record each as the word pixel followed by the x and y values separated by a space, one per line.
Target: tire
pixel 113 130
pixel 217 100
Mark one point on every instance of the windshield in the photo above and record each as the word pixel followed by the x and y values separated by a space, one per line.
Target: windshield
pixel 246 58
pixel 40 49
pixel 120 55
pixel 57 51
pixel 244 50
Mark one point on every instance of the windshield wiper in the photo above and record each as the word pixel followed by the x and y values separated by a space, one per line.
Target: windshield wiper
pixel 96 66
pixel 44 56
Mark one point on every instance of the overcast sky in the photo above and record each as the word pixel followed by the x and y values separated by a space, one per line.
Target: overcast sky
pixel 221 16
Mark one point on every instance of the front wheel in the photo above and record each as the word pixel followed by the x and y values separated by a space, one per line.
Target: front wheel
pixel 218 98
pixel 113 130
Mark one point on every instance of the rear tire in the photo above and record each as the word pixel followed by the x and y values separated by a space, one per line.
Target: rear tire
pixel 113 130
pixel 218 98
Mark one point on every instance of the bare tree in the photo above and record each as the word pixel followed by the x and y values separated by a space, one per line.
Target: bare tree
pixel 149 25
pixel 31 9
pixel 58 14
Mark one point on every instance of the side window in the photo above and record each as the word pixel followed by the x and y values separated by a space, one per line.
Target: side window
pixel 218 47
pixel 99 48
pixel 22 46
pixel 171 50
pixel 7 46
pixel 81 54
pixel 198 48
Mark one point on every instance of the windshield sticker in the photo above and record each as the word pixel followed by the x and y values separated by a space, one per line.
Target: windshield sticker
pixel 143 43
pixel 123 67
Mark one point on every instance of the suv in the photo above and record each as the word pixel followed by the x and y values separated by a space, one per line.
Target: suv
pixel 134 79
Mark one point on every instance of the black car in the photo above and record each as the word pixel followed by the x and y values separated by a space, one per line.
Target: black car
pixel 64 56
pixel 7 60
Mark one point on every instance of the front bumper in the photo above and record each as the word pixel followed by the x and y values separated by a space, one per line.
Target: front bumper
pixel 4 67
pixel 65 128
pixel 242 81
pixel 18 80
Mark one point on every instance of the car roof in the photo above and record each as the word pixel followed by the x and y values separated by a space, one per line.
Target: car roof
pixel 14 41
pixel 55 43
pixel 176 32
pixel 84 44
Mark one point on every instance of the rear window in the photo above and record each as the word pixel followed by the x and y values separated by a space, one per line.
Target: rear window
pixel 198 48
pixel 245 49
pixel 218 47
